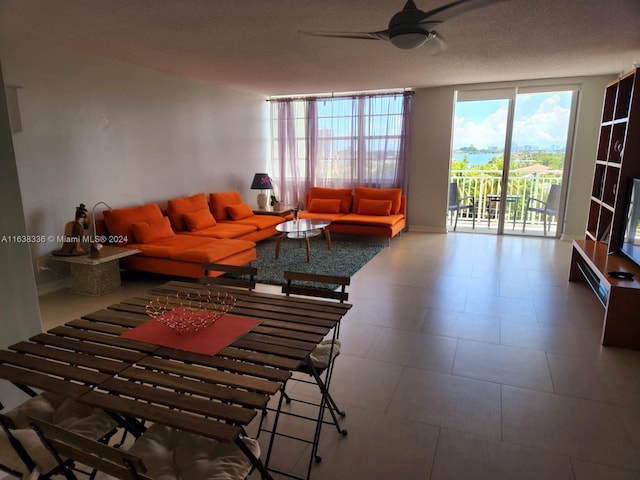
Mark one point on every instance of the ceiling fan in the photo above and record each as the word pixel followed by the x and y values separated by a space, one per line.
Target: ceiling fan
pixel 412 27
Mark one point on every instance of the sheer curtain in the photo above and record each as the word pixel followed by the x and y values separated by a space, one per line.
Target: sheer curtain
pixel 347 141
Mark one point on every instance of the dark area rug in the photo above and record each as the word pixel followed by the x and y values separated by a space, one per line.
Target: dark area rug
pixel 345 258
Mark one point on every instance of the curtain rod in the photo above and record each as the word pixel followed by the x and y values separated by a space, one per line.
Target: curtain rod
pixel 339 94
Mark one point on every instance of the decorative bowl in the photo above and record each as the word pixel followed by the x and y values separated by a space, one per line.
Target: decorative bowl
pixel 190 312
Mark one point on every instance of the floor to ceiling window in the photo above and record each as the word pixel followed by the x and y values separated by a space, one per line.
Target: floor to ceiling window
pixel 510 152
pixel 339 141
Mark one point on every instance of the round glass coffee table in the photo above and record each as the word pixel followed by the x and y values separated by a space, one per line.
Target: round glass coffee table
pixel 303 229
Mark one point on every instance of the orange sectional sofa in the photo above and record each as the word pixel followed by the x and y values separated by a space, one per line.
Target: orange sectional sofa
pixel 225 215
pixel 378 212
pixel 221 229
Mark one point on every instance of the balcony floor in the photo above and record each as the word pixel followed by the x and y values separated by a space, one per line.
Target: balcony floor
pixel 483 226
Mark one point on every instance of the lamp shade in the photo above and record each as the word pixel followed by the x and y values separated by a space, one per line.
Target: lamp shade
pixel 261 181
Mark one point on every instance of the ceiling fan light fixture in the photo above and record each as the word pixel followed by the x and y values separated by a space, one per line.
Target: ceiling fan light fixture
pixel 409 40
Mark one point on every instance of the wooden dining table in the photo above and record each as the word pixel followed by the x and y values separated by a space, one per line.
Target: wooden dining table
pixel 215 396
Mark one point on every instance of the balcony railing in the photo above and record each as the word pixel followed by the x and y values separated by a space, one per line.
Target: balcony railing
pixel 484 186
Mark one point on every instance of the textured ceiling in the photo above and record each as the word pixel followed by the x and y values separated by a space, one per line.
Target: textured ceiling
pixel 254 45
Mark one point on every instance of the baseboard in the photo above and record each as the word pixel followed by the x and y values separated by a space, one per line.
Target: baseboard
pixel 571 238
pixel 51 287
pixel 423 229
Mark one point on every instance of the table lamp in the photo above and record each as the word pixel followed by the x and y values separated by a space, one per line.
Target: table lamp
pixel 96 245
pixel 262 182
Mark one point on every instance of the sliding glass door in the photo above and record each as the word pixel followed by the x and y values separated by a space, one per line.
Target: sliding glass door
pixel 508 153
pixel 540 147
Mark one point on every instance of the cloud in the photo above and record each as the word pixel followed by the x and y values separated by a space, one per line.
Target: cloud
pixel 489 131
pixel 546 126
pixel 540 119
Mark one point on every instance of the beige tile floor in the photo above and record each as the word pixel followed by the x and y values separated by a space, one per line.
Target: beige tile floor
pixel 466 356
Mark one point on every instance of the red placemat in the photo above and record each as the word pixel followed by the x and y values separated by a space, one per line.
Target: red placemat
pixel 208 341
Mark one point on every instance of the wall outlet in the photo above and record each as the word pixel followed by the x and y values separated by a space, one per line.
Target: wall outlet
pixel 42 264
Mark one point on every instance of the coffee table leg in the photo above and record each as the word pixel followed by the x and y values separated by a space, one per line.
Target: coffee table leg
pixel 328 235
pixel 278 242
pixel 306 241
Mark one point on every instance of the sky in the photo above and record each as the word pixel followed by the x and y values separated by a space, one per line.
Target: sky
pixel 541 119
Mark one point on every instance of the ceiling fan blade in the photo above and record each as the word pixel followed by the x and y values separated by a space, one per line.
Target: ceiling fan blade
pixel 436 44
pixel 453 9
pixel 381 35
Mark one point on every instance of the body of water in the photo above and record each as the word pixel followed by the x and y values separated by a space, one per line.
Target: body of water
pixel 475 158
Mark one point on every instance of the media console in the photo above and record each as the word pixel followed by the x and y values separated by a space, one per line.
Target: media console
pixel 620 297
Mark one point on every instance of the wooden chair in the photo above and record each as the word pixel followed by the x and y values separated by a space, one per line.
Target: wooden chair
pixel 246 275
pixel 547 208
pixel 457 203
pixel 319 365
pixel 158 451
pixel 307 284
pixel 23 455
pixel 311 288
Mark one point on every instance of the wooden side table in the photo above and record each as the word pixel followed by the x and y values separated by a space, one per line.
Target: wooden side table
pixel 96 276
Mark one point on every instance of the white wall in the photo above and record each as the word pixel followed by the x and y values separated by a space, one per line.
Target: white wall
pixel 19 311
pixel 431 152
pixel 95 129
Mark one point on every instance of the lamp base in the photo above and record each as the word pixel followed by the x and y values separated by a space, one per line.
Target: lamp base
pixel 262 201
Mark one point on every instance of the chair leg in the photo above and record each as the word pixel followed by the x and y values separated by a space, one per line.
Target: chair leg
pixel 274 427
pixel 473 217
pixel 325 402
pixel 331 403
pixel 455 225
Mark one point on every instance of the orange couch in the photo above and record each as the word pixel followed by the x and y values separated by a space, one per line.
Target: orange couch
pixel 379 212
pixel 189 235
pixel 223 216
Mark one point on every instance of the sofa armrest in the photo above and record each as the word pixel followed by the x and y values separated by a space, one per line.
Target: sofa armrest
pixel 403 206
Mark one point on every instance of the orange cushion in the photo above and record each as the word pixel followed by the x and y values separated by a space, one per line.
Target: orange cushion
pixel 344 194
pixel 177 207
pixel 149 231
pixel 215 251
pixel 239 211
pixel 227 229
pixel 220 201
pixel 393 194
pixel 324 205
pixel 168 246
pixel 367 206
pixel 119 221
pixel 199 219
pixel 260 222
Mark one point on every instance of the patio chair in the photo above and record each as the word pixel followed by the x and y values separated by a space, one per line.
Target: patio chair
pixel 242 277
pixel 457 203
pixel 548 208
pixel 160 452
pixel 23 455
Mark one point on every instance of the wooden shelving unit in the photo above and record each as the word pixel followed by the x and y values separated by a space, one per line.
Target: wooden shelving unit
pixel 617 163
pixel 619 140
